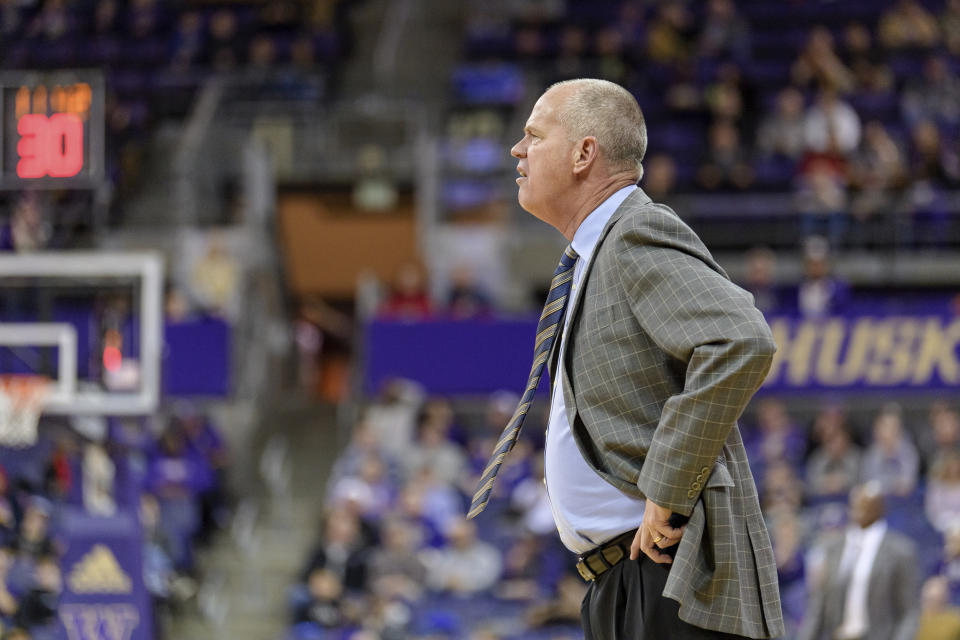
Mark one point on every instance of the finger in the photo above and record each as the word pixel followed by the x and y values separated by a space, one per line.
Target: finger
pixel 636 545
pixel 663 541
pixel 652 552
pixel 667 531
pixel 658 556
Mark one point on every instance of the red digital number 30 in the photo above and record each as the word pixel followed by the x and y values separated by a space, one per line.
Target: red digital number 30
pixel 50 146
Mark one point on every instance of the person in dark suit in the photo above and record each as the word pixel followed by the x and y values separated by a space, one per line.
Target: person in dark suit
pixel 653 354
pixel 869 585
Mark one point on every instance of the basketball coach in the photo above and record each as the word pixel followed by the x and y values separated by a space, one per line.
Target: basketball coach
pixel 653 354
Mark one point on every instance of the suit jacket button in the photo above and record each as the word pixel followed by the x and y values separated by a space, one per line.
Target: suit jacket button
pixel 691 494
pixel 699 477
pixel 705 470
pixel 695 486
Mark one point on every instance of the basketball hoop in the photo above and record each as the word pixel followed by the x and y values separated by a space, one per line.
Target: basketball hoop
pixel 21 401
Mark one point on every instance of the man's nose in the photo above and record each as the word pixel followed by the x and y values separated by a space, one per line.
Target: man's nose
pixel 517 150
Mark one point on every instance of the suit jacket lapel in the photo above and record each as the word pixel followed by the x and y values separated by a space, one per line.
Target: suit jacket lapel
pixel 636 199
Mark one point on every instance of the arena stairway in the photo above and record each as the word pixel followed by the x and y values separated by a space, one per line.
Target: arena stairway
pixel 279 483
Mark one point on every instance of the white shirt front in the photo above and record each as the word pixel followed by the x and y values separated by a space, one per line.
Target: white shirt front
pixel 587 509
pixel 859 554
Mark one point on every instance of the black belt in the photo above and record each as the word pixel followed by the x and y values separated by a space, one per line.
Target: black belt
pixel 593 563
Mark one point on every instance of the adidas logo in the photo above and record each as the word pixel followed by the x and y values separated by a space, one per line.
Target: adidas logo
pixel 98 572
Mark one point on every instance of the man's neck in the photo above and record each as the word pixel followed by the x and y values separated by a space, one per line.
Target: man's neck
pixel 592 200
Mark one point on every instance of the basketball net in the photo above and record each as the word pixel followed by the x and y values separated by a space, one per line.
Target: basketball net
pixel 21 401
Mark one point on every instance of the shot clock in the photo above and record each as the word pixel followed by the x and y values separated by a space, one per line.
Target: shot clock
pixel 52 129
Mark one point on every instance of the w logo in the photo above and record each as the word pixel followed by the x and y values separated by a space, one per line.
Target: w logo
pixel 99 621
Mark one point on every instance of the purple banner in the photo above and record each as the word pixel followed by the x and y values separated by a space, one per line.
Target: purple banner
pixel 899 352
pixel 103 594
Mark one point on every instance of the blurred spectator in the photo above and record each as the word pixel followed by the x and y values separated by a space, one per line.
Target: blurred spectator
pixel 941 435
pixel 610 56
pixel 392 418
pixel 820 293
pixel 869 587
pixel 530 499
pixel 876 171
pixel 143 17
pixel 787 539
pixel 818 63
pixel 105 18
pixel 907 24
pixel 341 552
pixel 215 278
pixel 950 26
pixel 158 570
pixel 224 50
pixel 834 466
pixel 783 132
pixel 563 608
pixel 891 460
pixel 659 176
pixel 99 472
pixel 669 38
pixel 29 227
pixel 781 489
pixel 831 125
pixel 467 565
pixel 932 163
pixel 466 297
pixel 871 74
pixel 776 438
pixel 724 32
pixel 8 603
pixel 732 98
pixel 371 488
pixel 303 55
pixel 261 55
pixel 38 607
pixel 324 608
pixel 433 448
pixel 408 298
pixel 363 445
pixel 188 41
pixel 934 96
pixel 53 22
pixel 939 619
pixel 571 61
pixel 942 499
pixel 35 540
pixel 175 476
pixel 726 164
pixel 396 569
pixel 374 189
pixel 760 279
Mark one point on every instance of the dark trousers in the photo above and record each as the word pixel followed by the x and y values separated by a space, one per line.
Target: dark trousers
pixel 627 603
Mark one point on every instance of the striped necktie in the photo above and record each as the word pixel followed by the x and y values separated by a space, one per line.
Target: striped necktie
pixel 550 322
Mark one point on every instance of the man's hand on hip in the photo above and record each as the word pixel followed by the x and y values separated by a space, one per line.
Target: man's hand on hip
pixel 654 534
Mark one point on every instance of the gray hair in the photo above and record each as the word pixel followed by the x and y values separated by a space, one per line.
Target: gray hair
pixel 610 113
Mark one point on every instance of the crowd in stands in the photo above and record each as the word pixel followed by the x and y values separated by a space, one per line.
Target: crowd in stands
pixel 171 480
pixel 850 108
pixel 395 557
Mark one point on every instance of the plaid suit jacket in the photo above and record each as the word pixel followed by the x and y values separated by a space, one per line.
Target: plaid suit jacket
pixel 663 353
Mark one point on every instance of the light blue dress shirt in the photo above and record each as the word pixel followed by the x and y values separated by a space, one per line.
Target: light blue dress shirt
pixel 587 509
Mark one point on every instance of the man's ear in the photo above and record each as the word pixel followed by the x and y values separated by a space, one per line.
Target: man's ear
pixel 585 153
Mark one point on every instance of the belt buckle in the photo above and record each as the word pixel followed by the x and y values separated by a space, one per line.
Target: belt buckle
pixel 585 572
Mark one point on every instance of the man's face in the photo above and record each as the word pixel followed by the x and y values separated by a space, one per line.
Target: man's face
pixel 546 158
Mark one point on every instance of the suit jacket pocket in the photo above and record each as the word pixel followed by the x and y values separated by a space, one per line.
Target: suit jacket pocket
pixel 719 477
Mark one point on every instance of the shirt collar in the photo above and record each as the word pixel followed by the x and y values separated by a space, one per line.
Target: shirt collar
pixel 588 233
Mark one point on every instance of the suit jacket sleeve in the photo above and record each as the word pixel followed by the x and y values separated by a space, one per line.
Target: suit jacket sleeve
pixel 694 313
